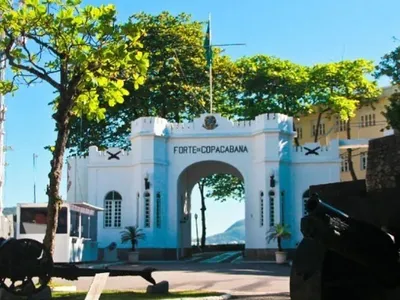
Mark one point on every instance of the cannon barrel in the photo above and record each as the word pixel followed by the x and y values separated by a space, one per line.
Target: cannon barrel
pixel 340 255
pixel 315 205
pixel 356 240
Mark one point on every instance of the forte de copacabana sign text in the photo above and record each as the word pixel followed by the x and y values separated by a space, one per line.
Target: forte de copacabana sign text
pixel 210 149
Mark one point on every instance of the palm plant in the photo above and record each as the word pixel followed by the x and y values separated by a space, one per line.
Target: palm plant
pixel 132 234
pixel 279 232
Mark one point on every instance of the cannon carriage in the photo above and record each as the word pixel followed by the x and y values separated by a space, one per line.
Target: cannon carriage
pixel 341 257
pixel 26 268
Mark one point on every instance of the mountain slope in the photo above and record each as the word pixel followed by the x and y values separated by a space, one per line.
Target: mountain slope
pixel 9 211
pixel 233 235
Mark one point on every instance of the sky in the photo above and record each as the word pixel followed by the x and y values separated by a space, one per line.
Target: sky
pixel 303 31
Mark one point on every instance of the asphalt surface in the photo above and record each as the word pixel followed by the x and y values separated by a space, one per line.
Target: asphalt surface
pixel 219 273
pixel 249 281
pixel 279 296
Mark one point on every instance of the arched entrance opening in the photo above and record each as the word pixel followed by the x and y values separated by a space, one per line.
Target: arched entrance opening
pixel 188 198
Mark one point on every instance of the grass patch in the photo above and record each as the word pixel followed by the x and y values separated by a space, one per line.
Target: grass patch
pixel 57 284
pixel 118 295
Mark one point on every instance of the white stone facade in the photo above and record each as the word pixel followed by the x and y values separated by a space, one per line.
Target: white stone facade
pixel 174 157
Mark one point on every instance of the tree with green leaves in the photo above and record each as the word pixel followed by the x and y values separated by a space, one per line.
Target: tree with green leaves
pixel 224 187
pixel 389 67
pixel 272 85
pixel 83 54
pixel 340 89
pixel 327 102
pixel 176 87
pixel 392 113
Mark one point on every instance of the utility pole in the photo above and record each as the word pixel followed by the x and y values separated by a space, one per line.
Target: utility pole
pixel 208 47
pixel 34 177
pixel 197 231
pixel 2 131
pixel 3 110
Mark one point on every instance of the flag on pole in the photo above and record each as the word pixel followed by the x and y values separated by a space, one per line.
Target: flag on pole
pixel 207 45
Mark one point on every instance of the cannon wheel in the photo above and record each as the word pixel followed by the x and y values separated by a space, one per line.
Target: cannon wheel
pixel 320 274
pixel 27 267
pixel 306 273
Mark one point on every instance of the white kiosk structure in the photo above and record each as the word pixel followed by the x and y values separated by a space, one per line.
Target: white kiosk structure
pixel 76 237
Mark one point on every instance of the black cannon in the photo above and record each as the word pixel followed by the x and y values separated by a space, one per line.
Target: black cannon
pixel 26 268
pixel 341 257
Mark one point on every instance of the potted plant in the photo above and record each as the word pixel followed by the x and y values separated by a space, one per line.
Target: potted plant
pixel 279 232
pixel 132 234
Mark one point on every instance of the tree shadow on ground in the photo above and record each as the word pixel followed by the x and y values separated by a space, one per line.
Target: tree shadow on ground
pixel 262 269
pixel 276 296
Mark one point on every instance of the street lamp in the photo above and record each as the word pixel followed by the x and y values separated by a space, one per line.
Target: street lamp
pixel 197 230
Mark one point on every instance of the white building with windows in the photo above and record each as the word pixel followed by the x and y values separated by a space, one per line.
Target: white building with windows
pixel 150 186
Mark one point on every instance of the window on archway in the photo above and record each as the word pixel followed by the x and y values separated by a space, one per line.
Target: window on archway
pixel 158 210
pixel 282 208
pixel 147 209
pixel 112 211
pixel 261 209
pixel 271 195
pixel 306 196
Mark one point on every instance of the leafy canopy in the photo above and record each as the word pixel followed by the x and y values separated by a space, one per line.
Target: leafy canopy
pixel 270 84
pixel 342 87
pixel 389 66
pixel 81 52
pixel 176 86
pixel 223 186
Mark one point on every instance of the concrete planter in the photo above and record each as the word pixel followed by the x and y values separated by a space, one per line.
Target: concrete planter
pixel 280 257
pixel 133 256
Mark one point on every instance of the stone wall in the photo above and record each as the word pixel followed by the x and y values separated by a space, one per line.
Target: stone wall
pixel 379 207
pixel 376 199
pixel 383 168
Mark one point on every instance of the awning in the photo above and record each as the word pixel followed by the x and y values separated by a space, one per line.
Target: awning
pixel 85 208
pixel 353 143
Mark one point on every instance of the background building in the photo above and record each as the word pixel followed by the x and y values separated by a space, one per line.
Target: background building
pixel 368 123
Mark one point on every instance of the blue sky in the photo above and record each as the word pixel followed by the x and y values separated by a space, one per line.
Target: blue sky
pixel 306 32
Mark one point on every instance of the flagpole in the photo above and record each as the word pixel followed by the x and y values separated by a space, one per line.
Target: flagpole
pixel 210 67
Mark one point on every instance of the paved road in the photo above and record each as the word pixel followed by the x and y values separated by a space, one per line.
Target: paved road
pixel 239 279
pixel 279 296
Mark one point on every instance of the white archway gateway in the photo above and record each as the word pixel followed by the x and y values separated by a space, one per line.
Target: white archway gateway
pixel 185 184
pixel 155 179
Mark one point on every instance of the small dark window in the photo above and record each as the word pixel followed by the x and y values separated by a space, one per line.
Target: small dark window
pixel 33 220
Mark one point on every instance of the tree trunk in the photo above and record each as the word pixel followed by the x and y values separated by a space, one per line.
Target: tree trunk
pixel 296 139
pixel 203 214
pixel 316 133
pixel 62 118
pixel 350 152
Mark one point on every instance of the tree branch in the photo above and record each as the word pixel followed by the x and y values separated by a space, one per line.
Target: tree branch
pixel 11 61
pixel 30 58
pixel 45 45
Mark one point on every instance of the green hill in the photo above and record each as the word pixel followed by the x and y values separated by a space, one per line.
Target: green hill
pixel 9 211
pixel 235 234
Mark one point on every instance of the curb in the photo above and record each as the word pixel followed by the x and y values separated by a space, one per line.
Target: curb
pixel 222 297
pixel 103 265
